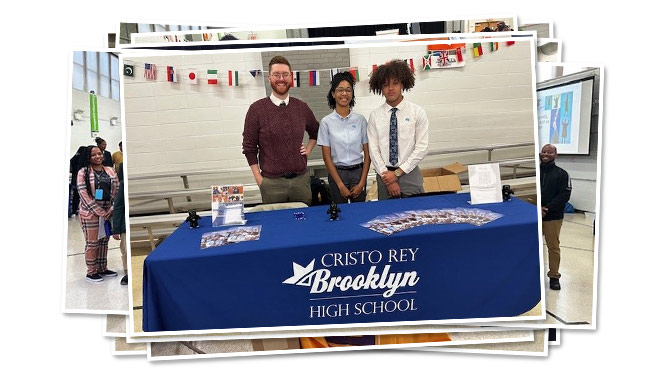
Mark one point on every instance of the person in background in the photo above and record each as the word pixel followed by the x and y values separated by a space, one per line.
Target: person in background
pixel 398 133
pixel 107 158
pixel 556 190
pixel 501 26
pixel 228 37
pixel 117 158
pixel 75 164
pixel 272 140
pixel 118 223
pixel 343 138
pixel 97 186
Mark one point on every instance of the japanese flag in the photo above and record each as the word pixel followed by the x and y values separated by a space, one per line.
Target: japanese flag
pixel 191 76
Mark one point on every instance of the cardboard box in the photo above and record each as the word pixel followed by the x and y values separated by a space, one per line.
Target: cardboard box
pixel 445 179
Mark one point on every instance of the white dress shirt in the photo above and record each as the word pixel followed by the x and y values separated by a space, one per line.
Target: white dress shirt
pixel 277 101
pixel 413 135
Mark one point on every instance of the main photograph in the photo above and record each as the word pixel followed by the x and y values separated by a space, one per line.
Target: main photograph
pixel 328 186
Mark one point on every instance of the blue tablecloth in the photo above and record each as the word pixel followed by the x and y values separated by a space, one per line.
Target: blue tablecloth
pixel 452 271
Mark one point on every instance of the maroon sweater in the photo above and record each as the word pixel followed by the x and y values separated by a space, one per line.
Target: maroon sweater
pixel 273 136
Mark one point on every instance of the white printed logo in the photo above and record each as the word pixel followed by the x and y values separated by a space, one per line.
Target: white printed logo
pixel 321 280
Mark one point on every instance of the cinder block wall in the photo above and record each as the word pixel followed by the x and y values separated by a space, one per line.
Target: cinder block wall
pixel 488 101
pixel 172 127
pixel 180 127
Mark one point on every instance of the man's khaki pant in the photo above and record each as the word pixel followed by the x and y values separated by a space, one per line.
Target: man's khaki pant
pixel 282 190
pixel 551 231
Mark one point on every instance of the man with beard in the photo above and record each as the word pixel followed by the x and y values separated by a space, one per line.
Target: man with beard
pixel 556 190
pixel 272 140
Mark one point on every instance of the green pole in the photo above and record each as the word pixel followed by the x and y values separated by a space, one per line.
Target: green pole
pixel 94 119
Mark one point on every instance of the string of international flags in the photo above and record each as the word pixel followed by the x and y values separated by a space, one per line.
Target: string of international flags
pixel 190 76
pixel 213 76
pixel 451 58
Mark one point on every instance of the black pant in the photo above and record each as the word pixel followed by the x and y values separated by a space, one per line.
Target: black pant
pixel 75 200
pixel 350 179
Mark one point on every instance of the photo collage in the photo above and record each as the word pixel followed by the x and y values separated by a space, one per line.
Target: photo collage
pixel 230 236
pixel 393 223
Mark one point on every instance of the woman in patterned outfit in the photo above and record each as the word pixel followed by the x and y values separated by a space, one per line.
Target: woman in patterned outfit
pixel 97 186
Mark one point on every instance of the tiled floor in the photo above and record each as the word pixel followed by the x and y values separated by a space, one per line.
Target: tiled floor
pixel 245 345
pixel 573 304
pixel 116 324
pixel 82 295
pixel 538 344
pixel 121 345
pixel 206 346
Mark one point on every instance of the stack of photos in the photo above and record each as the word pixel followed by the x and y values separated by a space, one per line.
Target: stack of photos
pixel 230 236
pixel 227 205
pixel 393 223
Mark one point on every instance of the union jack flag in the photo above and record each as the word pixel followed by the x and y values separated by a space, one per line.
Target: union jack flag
pixel 150 71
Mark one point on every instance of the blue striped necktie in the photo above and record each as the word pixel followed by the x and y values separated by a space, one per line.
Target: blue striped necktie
pixel 394 141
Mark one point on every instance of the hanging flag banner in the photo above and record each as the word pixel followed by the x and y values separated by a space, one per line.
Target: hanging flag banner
pixel 411 65
pixel 509 43
pixel 233 78
pixel 355 72
pixel 442 60
pixel 477 49
pixel 256 72
pixel 314 78
pixel 171 75
pixel 192 76
pixel 94 117
pixel 212 77
pixel 373 68
pixel 459 54
pixel 333 72
pixel 129 70
pixel 150 72
pixel 426 62
pixel 295 79
pixel 442 47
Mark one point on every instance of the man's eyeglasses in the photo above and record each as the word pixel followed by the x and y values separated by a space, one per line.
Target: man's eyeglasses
pixel 340 90
pixel 282 75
